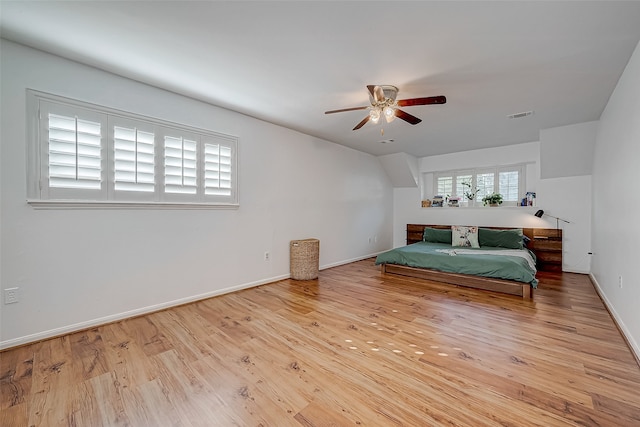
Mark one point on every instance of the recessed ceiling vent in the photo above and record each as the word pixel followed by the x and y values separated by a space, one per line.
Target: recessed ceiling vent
pixel 520 115
pixel 387 141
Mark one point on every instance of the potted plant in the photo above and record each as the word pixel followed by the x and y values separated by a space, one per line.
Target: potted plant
pixel 493 199
pixel 470 192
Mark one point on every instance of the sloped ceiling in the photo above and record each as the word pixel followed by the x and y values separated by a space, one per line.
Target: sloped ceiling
pixel 288 62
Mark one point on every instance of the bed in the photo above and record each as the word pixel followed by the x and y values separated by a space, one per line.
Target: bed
pixel 499 261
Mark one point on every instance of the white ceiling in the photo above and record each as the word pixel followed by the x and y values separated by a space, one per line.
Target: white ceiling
pixel 288 62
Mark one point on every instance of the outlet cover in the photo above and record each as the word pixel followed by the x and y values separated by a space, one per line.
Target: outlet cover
pixel 10 295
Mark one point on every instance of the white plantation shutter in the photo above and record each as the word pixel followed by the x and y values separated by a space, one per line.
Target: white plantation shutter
pixel 217 170
pixel 180 165
pixel 444 185
pixel 85 155
pixel 134 159
pixel 510 184
pixel 485 181
pixel 74 153
pixel 460 189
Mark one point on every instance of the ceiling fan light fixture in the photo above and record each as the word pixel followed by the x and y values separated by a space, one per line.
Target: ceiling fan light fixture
pixel 374 114
pixel 389 113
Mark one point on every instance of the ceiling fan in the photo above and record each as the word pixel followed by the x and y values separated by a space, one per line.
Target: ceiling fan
pixel 384 103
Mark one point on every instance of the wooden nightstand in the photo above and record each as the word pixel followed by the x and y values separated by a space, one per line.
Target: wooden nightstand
pixel 547 245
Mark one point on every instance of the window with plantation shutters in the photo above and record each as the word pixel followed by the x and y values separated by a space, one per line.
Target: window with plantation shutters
pixel 506 180
pixel 180 165
pixel 509 184
pixel 460 178
pixel 75 152
pixel 444 185
pixel 485 181
pixel 217 169
pixel 86 155
pixel 134 159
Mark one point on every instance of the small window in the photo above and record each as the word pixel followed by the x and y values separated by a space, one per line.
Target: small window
pixel 82 154
pixel 180 165
pixel 134 160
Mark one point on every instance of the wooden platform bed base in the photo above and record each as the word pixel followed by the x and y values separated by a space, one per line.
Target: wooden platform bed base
pixel 520 289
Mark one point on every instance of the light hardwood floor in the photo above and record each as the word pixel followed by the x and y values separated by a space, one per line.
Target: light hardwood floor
pixel 352 348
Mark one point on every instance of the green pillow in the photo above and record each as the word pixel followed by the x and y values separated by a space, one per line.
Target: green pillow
pixel 437 235
pixel 511 239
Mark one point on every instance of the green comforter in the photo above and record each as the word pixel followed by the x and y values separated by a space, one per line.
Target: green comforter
pixel 442 257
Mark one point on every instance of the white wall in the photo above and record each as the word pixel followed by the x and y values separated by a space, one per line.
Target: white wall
pixel 616 203
pixel 566 160
pixel 76 268
pixel 402 169
pixel 568 198
pixel 567 150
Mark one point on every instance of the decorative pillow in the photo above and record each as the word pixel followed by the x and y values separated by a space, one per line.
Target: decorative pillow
pixel 464 236
pixel 437 235
pixel 511 239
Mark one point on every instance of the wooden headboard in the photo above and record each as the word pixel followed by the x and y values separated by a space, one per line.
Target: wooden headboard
pixel 546 243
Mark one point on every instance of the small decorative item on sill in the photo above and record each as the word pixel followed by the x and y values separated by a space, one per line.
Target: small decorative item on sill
pixel 493 200
pixel 426 203
pixel 454 202
pixel 531 198
pixel 437 201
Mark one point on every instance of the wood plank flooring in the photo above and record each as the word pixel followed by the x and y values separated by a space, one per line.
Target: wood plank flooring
pixel 353 348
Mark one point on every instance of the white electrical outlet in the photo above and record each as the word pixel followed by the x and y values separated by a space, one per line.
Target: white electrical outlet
pixel 266 256
pixel 10 295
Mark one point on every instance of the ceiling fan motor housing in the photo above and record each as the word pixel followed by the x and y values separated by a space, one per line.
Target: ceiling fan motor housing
pixel 390 94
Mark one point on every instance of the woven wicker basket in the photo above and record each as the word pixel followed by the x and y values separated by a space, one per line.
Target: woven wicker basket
pixel 304 259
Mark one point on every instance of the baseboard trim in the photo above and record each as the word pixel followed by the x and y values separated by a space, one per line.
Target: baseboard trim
pixel 349 261
pixel 569 270
pixel 626 335
pixel 76 327
pixel 52 333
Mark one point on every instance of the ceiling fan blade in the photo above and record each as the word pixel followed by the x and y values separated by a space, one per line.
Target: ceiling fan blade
pixel 407 117
pixel 376 92
pixel 362 123
pixel 345 109
pixel 430 100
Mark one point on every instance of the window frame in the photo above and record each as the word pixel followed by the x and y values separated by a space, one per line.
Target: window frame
pixel 41 195
pixel 474 172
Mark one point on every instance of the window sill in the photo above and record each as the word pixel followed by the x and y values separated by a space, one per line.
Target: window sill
pixel 82 204
pixel 479 207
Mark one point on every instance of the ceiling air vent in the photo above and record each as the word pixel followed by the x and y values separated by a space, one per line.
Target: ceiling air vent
pixel 387 141
pixel 520 115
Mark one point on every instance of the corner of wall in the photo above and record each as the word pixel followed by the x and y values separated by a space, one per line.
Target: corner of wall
pixel 402 169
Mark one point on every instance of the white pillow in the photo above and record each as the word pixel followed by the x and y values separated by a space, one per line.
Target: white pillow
pixel 464 236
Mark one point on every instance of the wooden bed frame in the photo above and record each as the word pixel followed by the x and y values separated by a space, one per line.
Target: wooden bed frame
pixel 524 290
